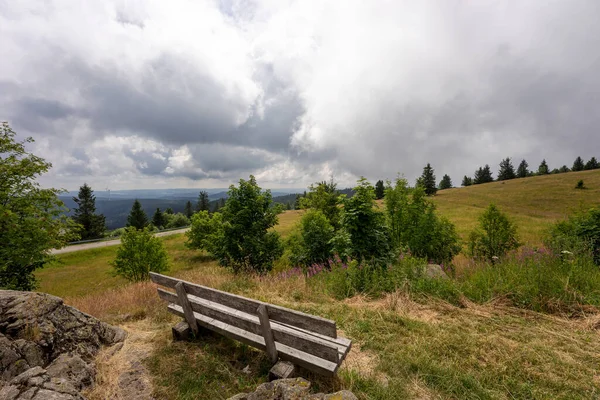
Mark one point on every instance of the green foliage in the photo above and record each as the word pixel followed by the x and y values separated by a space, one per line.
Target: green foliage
pixel 158 219
pixel 325 197
pixel 483 175
pixel 522 171
pixel 495 237
pixel 591 164
pixel 206 233
pixel 313 243
pixel 427 181
pixel 169 211
pixel 137 217
pixel 564 169
pixel 92 226
pixel 248 242
pixel 415 225
pixel 189 210
pixel 543 168
pixel 139 253
pixel 32 220
pixel 467 181
pixel 366 226
pixel 580 184
pixel 178 220
pixel 578 164
pixel 379 190
pixel 203 203
pixel 507 171
pixel 446 182
pixel 579 234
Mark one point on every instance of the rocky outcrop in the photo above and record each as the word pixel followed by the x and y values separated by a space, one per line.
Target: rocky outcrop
pixel 47 348
pixel 291 389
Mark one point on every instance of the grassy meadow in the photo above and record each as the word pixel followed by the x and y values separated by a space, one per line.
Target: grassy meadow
pixel 406 344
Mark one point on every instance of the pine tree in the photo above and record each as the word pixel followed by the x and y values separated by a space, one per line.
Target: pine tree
pixel 578 164
pixel 507 171
pixel 137 217
pixel 483 175
pixel 564 169
pixel 93 226
pixel 522 171
pixel 297 202
pixel 189 211
pixel 543 168
pixel 591 164
pixel 446 182
pixel 158 219
pixel 379 190
pixel 427 180
pixel 203 202
pixel 170 211
pixel 467 181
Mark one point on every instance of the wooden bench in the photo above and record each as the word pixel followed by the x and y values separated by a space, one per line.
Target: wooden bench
pixel 302 339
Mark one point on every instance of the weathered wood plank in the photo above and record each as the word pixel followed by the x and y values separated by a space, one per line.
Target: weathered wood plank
pixel 187 308
pixel 267 334
pixel 287 353
pixel 280 314
pixel 318 346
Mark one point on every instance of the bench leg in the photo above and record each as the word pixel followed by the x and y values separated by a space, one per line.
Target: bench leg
pixel 181 331
pixel 282 370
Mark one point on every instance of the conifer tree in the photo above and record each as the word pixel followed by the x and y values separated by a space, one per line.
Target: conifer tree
pixel 203 202
pixel 189 210
pixel 92 225
pixel 507 171
pixel 543 168
pixel 591 164
pixel 483 175
pixel 170 211
pixel 379 190
pixel 564 169
pixel 427 180
pixel 446 182
pixel 467 181
pixel 578 164
pixel 158 219
pixel 137 217
pixel 522 171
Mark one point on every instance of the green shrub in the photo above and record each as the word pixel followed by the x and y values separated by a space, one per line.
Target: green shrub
pixel 206 233
pixel 324 197
pixel 580 184
pixel 175 220
pixel 580 234
pixel 312 242
pixel 495 237
pixel 139 253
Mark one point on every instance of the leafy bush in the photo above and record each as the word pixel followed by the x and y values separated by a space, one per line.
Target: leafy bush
pixel 580 234
pixel 312 243
pixel 496 236
pixel 206 233
pixel 325 197
pixel 175 220
pixel 580 184
pixel 139 253
pixel 415 225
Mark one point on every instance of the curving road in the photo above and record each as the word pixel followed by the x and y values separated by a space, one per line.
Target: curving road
pixel 94 245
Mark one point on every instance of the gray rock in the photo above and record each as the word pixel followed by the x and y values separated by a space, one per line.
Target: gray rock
pixel 341 395
pixel 9 392
pixel 45 394
pixel 22 379
pixel 435 271
pixel 73 369
pixel 290 389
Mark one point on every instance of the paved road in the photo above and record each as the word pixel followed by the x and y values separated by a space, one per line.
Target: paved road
pixel 86 246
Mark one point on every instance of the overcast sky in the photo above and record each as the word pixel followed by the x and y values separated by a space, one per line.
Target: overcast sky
pixel 158 94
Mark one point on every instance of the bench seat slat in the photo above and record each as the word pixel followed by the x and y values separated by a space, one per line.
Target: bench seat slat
pixel 290 317
pixel 322 347
pixel 287 353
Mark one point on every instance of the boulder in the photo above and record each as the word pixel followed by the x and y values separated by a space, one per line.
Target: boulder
pixel 435 271
pixel 291 389
pixel 47 348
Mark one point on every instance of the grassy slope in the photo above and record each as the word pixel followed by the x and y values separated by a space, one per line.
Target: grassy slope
pixel 533 203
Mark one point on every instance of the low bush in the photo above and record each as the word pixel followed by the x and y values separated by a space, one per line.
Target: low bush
pixel 496 235
pixel 139 253
pixel 580 235
pixel 175 220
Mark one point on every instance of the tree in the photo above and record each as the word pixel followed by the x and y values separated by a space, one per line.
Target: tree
pixel 32 220
pixel 189 210
pixel 206 233
pixel 248 241
pixel 379 190
pixel 313 243
pixel 578 164
pixel 169 211
pixel 427 180
pixel 467 181
pixel 139 253
pixel 297 202
pixel 522 171
pixel 483 175
pixel 137 217
pixel 177 221
pixel 325 197
pixel 564 169
pixel 543 168
pixel 158 219
pixel 446 182
pixel 203 202
pixel 507 171
pixel 495 236
pixel 591 164
pixel 92 225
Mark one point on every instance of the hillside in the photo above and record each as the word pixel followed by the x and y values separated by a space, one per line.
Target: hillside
pixel 534 203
